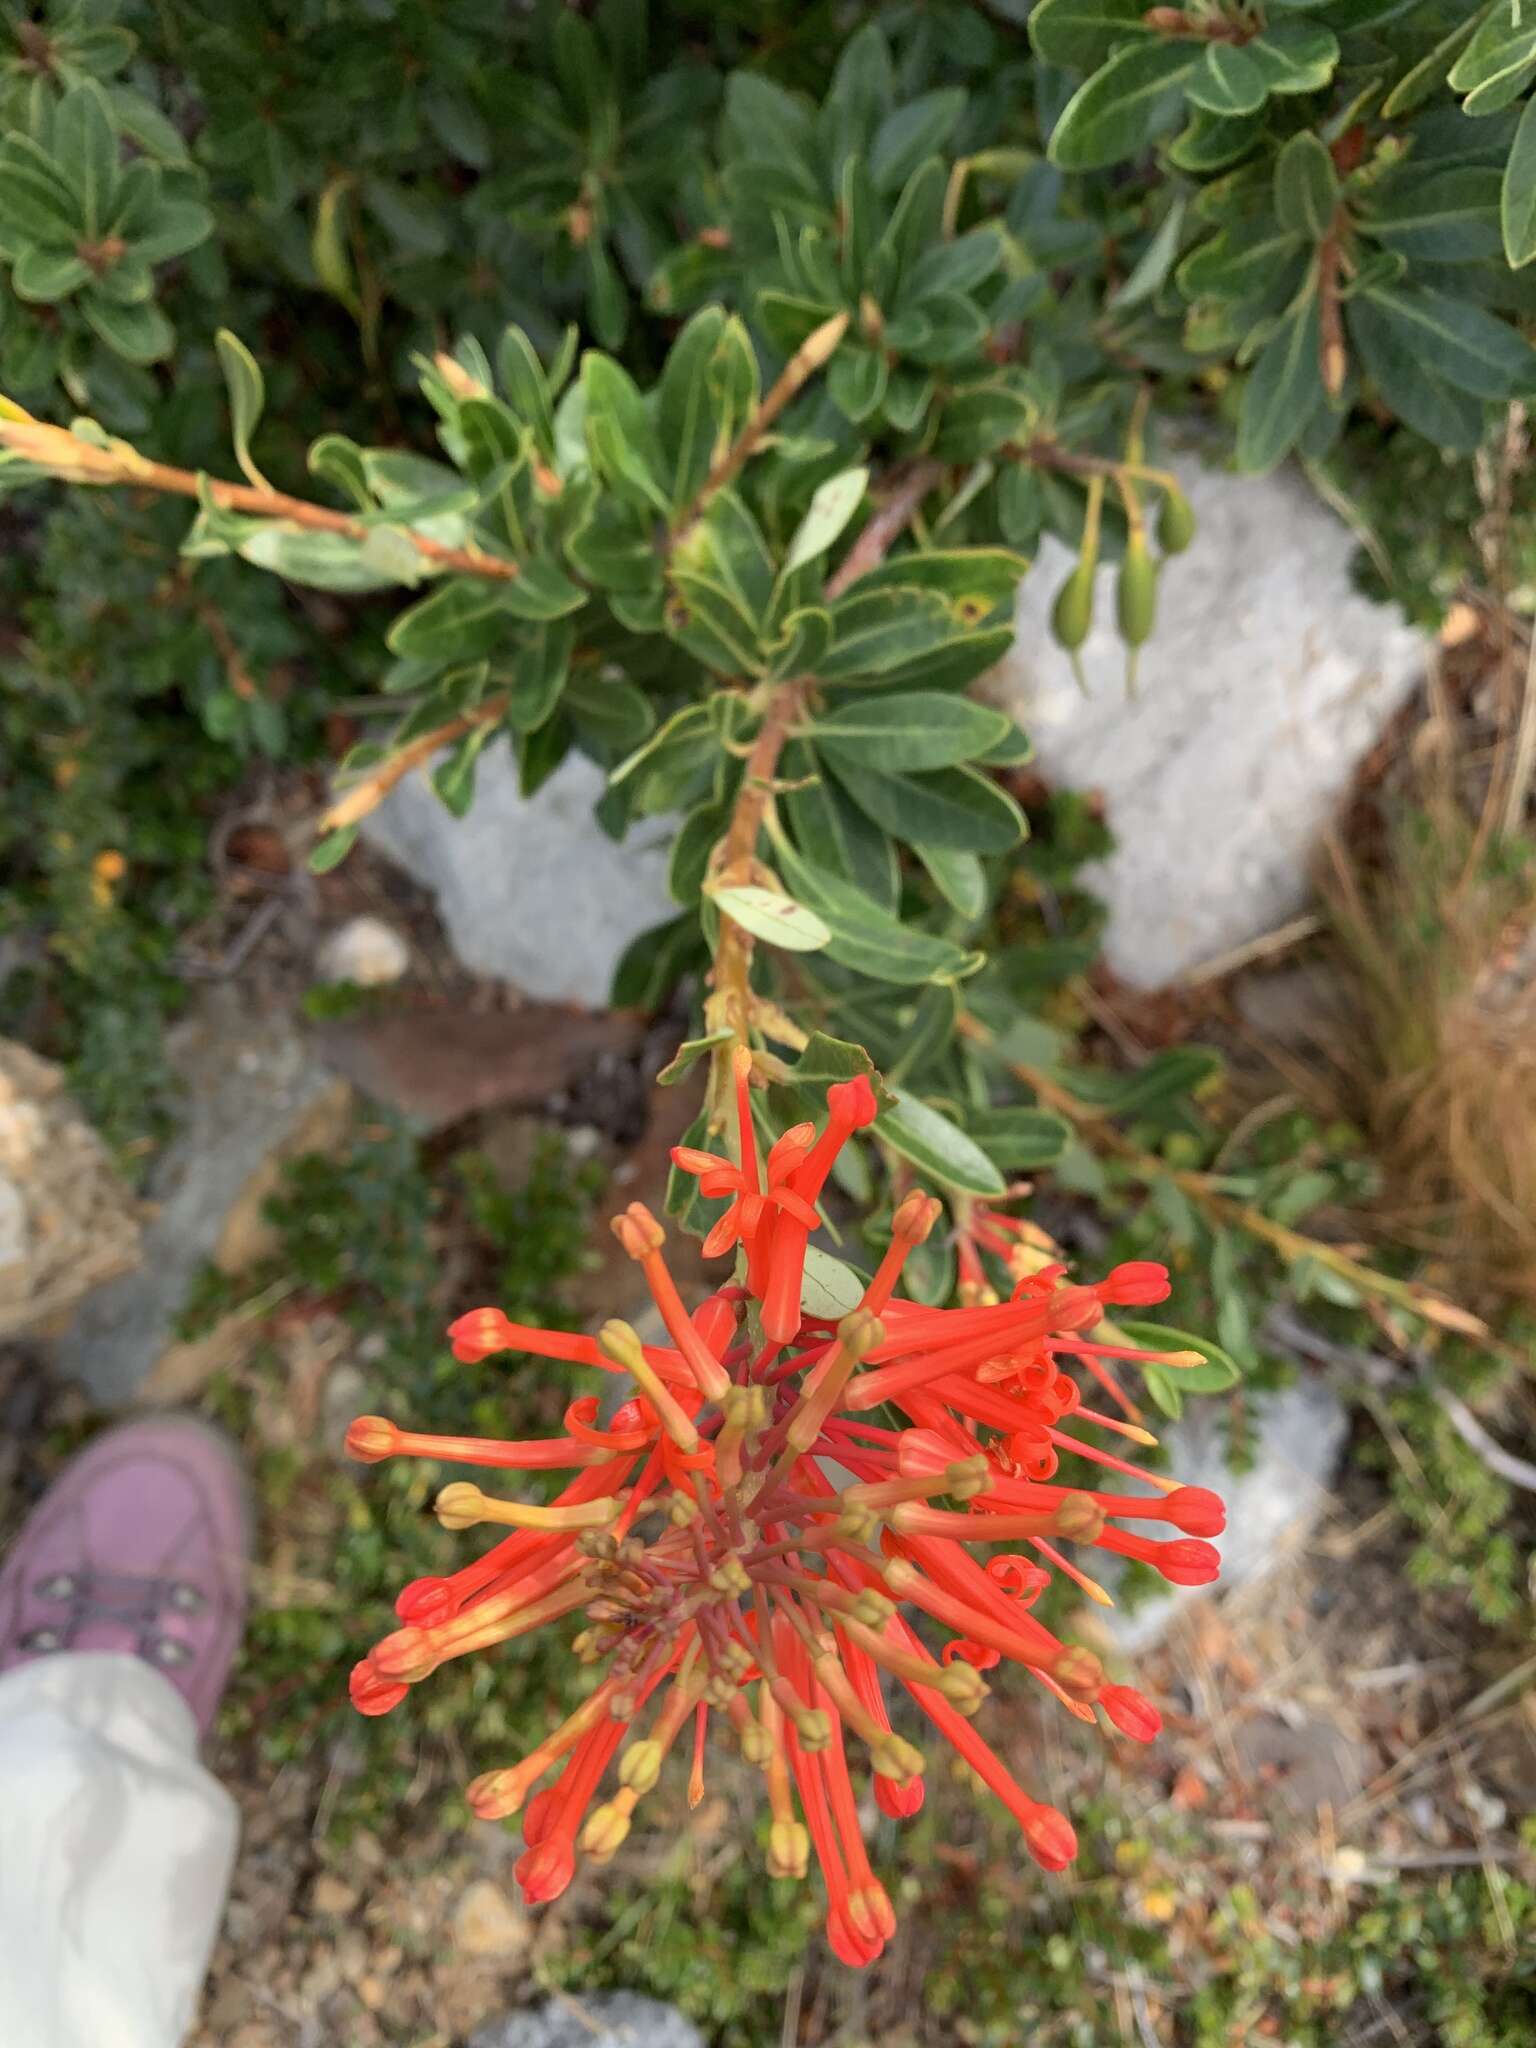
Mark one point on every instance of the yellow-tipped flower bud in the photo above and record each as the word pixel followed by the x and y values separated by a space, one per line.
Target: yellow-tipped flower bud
pixel 967 1476
pixel 603 1835
pixel 640 1765
pixel 895 1757
pixel 460 1505
pixel 872 1608
pixel 756 1744
pixel 860 1333
pixel 962 1685
pixel 1079 1518
pixel 789 1849
pixel 915 1216
pixel 682 1509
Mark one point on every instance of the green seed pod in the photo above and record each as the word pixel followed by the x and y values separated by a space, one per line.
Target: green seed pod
pixel 1175 523
pixel 1136 591
pixel 1072 613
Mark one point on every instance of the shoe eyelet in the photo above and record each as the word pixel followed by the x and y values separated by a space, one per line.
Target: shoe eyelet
pixel 43 1639
pixel 187 1599
pixel 57 1586
pixel 167 1651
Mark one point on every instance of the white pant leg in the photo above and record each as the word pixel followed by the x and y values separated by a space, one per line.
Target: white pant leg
pixel 116 1848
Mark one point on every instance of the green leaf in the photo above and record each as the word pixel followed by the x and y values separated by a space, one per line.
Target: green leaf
pixel 340 461
pixel 1450 217
pixel 959 878
pixel 1080 34
pixel 324 561
pixel 914 729
pixel 764 121
pixel 1214 1377
pixel 177 226
pixel 1239 263
pixel 1154 263
pixel 140 333
pixel 1228 81
pixel 831 830
pixel 954 807
pixel 1495 66
pixel 912 132
pixel 1020 1140
pixel 1428 74
pixel 649 968
pixel 829 1289
pixel 35 200
pixel 1459 342
pixel 1117 112
pixel 1446 418
pixel 333 849
pixel 43 276
pixel 777 920
pixel 1306 187
pixel 619 432
pixel 541 590
pixel 1210 142
pixel 866 938
pixel 539 667
pixel 612 716
pixel 937 1147
pixel 527 388
pixel 463 619
pixel 1284 389
pixel 1295 56
pixel 825 1060
pixel 247 395
pixel 686 413
pixel 688 1054
pixel 87 150
pixel 1517 205
pixel 832 506
pixel 1181 1071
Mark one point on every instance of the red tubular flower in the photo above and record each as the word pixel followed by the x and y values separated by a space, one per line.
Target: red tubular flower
pixel 738 1536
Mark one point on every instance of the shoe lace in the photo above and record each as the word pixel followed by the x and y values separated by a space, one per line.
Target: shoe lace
pixel 132 1599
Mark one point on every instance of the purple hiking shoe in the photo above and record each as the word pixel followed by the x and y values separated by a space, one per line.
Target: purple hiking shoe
pixel 140 1545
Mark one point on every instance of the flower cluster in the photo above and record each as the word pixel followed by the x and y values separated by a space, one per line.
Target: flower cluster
pixel 781 1520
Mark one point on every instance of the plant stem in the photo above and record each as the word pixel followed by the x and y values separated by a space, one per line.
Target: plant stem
pixel 1203 1189
pixel 808 358
pixel 370 792
pixel 80 461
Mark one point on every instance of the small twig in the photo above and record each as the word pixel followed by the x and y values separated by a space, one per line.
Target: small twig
pixel 1522 765
pixel 1515 1471
pixel 1203 1189
pixel 789 2032
pixel 817 349
pixel 892 519
pixel 370 792
pixel 75 460
pixel 1264 947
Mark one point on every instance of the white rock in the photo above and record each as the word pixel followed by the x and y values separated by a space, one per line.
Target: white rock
pixel 532 890
pixel 1267 679
pixel 1299 1434
pixel 610 2019
pixel 365 951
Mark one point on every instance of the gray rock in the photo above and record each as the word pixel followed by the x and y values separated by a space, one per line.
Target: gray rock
pixel 615 2019
pixel 1266 681
pixel 253 1091
pixel 1300 1438
pixel 531 890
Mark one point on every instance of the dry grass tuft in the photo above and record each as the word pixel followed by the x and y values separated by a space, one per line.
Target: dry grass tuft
pixel 1438 939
